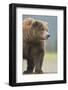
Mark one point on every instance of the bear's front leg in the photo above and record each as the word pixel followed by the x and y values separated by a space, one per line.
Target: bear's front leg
pixel 30 66
pixel 38 63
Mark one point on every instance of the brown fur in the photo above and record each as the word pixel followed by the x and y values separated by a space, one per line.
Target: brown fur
pixel 33 41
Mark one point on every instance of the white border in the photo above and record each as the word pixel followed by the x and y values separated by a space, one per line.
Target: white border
pixel 20 78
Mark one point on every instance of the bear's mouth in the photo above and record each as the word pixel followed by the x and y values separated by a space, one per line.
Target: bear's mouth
pixel 44 37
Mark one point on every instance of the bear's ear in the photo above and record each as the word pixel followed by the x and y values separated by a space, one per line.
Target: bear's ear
pixel 35 23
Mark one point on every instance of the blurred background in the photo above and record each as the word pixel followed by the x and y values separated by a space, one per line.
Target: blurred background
pixel 50 58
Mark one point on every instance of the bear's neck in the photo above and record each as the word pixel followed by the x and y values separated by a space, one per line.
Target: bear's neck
pixel 35 43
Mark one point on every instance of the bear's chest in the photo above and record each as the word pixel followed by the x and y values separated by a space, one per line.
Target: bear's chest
pixel 32 49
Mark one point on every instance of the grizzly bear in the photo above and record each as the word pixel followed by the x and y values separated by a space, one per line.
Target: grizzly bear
pixel 34 34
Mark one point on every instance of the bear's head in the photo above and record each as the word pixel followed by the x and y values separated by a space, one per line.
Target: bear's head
pixel 35 30
pixel 40 30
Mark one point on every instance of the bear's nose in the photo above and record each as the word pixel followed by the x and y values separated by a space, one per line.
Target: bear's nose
pixel 48 35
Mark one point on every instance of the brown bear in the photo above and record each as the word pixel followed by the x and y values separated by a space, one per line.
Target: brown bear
pixel 34 34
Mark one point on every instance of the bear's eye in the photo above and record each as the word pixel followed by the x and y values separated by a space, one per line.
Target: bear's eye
pixel 42 28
